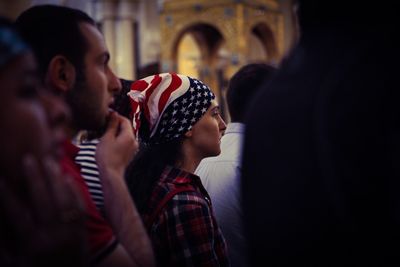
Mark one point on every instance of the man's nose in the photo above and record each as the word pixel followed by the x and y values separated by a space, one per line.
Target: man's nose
pixel 114 82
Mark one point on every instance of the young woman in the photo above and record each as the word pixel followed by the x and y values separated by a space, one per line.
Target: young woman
pixel 179 124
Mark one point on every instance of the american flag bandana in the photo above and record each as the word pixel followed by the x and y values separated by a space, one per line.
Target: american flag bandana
pixel 171 105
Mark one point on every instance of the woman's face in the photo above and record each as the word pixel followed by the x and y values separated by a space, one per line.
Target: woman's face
pixel 207 132
pixel 25 126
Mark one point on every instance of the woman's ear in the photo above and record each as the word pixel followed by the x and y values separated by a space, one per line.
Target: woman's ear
pixel 61 74
pixel 189 134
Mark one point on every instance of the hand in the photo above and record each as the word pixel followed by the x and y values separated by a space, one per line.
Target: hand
pixel 43 227
pixel 114 152
pixel 117 146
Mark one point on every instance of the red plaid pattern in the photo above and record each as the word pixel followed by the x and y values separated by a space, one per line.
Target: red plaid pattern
pixel 186 232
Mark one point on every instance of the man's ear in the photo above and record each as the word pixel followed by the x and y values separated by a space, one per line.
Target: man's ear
pixel 61 74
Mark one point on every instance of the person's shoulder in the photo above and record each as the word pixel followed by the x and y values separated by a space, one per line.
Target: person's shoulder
pixel 190 198
pixel 218 166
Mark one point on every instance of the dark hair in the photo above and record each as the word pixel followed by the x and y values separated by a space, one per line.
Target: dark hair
pixel 122 103
pixel 316 14
pixel 6 23
pixel 243 85
pixel 145 170
pixel 52 30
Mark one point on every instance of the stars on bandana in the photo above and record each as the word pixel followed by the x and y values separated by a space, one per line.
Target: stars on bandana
pixel 180 116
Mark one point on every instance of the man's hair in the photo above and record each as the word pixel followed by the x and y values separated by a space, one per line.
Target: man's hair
pixel 54 30
pixel 243 86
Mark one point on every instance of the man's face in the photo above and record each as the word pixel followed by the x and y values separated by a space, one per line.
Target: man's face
pixel 93 94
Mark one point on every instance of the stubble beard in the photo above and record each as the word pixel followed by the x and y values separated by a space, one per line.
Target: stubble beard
pixel 86 115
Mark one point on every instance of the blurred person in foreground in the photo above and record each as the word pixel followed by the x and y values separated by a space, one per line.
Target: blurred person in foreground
pixel 73 64
pixel 321 173
pixel 220 175
pixel 41 216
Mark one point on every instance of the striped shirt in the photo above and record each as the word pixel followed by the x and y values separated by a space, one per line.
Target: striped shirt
pixel 87 161
pixel 100 237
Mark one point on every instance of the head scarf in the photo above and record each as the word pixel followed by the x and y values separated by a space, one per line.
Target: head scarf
pixel 11 45
pixel 170 103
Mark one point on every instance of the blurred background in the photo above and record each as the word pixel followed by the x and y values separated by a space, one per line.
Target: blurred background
pixel 206 39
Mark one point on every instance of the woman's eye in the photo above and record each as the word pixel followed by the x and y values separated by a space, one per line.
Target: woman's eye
pixel 29 87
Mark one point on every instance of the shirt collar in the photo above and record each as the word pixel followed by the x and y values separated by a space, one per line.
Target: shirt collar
pixel 70 149
pixel 178 176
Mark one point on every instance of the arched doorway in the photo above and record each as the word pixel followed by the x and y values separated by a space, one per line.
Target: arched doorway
pixel 188 56
pixel 199 51
pixel 263 46
pixel 196 49
pixel 257 51
pixel 213 39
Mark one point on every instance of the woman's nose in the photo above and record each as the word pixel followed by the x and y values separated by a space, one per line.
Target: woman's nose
pixel 222 124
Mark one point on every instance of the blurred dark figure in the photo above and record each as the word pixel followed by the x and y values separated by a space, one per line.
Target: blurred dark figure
pixel 41 215
pixel 321 184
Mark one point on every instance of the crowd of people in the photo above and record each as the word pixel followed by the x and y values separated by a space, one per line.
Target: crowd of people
pixel 97 170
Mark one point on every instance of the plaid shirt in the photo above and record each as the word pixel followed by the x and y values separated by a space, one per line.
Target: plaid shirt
pixel 186 232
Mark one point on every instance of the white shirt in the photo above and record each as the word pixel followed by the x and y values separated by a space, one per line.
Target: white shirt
pixel 221 177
